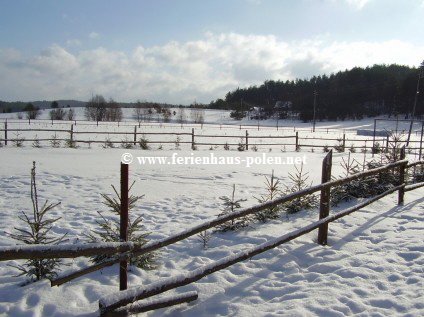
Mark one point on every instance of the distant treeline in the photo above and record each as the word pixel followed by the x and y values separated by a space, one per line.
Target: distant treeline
pixel 16 106
pixel 350 94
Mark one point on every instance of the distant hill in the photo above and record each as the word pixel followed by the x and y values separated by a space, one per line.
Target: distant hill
pixel 15 106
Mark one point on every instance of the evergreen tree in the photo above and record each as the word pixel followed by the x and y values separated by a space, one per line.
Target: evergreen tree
pixel 38 233
pixel 109 230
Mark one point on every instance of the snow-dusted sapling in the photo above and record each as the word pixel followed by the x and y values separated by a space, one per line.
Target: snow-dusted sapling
pixel 355 188
pixel 108 143
pixel 38 233
pixel 109 230
pixel 71 143
pixel 339 147
pixel 177 143
pixel 231 204
pixel 126 143
pixel 272 191
pixel 299 182
pixel 18 141
pixel 204 237
pixel 55 142
pixel 144 143
pixel 36 142
pixel 241 145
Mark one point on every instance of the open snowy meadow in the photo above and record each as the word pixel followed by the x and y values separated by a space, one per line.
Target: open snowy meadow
pixel 373 264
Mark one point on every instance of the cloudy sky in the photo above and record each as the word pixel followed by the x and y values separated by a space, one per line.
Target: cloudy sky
pixel 180 51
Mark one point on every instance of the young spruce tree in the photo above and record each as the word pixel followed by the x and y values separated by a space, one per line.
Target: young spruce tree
pixel 231 205
pixel 38 233
pixel 272 191
pixel 109 230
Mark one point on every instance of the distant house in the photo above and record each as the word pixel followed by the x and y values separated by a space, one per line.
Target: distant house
pixel 284 109
pixel 257 113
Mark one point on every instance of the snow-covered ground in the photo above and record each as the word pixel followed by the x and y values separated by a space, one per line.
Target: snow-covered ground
pixel 372 266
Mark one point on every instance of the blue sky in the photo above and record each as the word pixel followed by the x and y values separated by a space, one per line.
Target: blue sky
pixel 182 51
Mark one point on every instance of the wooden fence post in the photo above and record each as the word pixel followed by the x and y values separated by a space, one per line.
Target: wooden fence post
pixel 247 140
pixel 297 140
pixel 344 142
pixel 421 141
pixel 192 139
pixel 324 206
pixel 135 135
pixel 402 168
pixel 5 133
pixel 387 143
pixel 72 133
pixel 123 224
pixel 373 137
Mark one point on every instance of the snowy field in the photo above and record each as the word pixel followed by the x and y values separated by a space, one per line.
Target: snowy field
pixel 372 266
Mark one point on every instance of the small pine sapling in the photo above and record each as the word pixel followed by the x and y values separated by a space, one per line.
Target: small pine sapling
pixel 144 143
pixel 126 144
pixel 204 237
pixel 71 143
pixel 241 146
pixel 38 233
pixel 18 141
pixel 108 143
pixel 55 142
pixel 394 147
pixel 109 231
pixel 299 182
pixel 177 143
pixel 231 204
pixel 36 142
pixel 376 148
pixel 355 188
pixel 339 146
pixel 272 191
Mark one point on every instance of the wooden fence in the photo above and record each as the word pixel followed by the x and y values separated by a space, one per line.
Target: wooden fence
pixel 113 304
pixel 195 138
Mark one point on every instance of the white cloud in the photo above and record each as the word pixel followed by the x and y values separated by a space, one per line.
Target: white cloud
pixel 177 72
